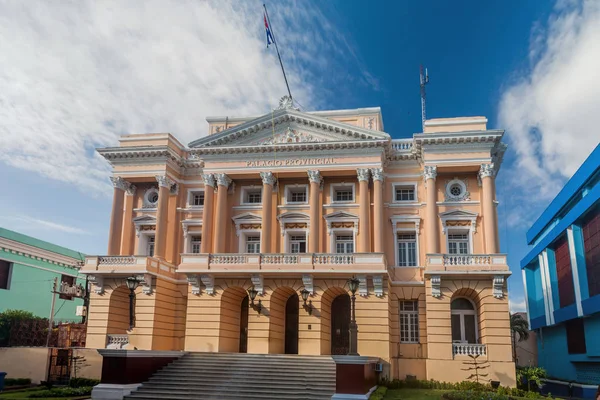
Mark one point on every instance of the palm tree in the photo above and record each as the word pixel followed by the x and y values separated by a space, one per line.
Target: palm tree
pixel 518 327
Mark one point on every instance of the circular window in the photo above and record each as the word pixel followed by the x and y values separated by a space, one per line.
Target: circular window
pixel 456 190
pixel 151 198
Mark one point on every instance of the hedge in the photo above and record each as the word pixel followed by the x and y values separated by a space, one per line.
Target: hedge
pixel 379 393
pixel 82 382
pixel 17 381
pixel 62 392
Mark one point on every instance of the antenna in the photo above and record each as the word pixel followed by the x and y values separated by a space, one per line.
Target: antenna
pixel 424 81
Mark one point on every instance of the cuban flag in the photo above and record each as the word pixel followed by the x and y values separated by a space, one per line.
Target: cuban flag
pixel 270 39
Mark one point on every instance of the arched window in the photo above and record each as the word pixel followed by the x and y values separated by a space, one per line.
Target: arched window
pixel 464 321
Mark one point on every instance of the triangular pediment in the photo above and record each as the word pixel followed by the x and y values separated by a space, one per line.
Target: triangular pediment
pixel 144 220
pixel 341 215
pixel 247 218
pixel 458 214
pixel 288 127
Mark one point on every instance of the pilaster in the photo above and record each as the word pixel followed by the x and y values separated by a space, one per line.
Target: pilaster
pixel 486 174
pixel 378 236
pixel 127 235
pixel 268 180
pixel 162 211
pixel 431 212
pixel 315 179
pixel 210 185
pixel 364 226
pixel 116 215
pixel 223 182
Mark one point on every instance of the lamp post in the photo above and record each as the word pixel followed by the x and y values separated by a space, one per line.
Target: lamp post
pixel 132 284
pixel 353 285
pixel 308 307
pixel 252 292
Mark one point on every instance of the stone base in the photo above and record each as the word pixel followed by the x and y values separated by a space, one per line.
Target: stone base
pixel 111 391
pixel 345 396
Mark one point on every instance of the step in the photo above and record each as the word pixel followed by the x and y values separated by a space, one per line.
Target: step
pixel 225 391
pixel 257 396
pixel 242 384
pixel 248 367
pixel 211 378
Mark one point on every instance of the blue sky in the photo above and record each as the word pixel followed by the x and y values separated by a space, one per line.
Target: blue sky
pixel 83 73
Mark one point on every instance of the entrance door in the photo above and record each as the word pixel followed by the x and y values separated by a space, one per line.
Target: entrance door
pixel 340 325
pixel 291 325
pixel 244 326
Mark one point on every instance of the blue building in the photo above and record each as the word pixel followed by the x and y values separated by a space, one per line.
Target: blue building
pixel 561 275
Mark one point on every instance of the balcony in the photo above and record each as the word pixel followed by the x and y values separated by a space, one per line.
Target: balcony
pixel 468 263
pixel 283 262
pixel 468 349
pixel 126 265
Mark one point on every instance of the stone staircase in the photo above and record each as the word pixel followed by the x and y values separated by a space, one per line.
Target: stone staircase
pixel 227 376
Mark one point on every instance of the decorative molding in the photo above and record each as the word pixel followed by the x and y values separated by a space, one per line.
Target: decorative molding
pixel 97 282
pixel 363 174
pixel 194 282
pixel 341 216
pixel 293 217
pixel 145 281
pixel 268 178
pixel 141 221
pixel 378 285
pixel 209 282
pixel 377 174
pixel 246 219
pixel 290 136
pixel 429 172
pixel 314 176
pixel 258 282
pixel 131 189
pixel 464 194
pixel 164 181
pixel 186 223
pixel 223 180
pixel 146 203
pixel 487 170
pixel 498 286
pixel 307 281
pixel 436 282
pixel 363 289
pixel 459 215
pixel 209 180
pixel 285 103
pixel 174 189
pixel 119 183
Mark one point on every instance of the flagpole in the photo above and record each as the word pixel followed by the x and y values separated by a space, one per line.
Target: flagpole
pixel 278 55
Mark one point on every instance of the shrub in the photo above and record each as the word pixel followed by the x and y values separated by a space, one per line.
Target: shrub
pixel 432 384
pixel 17 381
pixel 62 392
pixel 531 375
pixel 81 382
pixel 474 395
pixel 379 393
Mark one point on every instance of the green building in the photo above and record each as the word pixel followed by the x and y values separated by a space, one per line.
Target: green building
pixel 28 267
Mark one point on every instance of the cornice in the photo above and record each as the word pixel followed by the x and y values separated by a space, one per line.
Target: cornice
pixel 35 253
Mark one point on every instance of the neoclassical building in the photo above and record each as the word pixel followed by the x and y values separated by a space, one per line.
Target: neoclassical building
pixel 296 201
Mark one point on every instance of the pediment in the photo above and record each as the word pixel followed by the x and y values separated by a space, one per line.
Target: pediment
pixel 288 127
pixel 458 214
pixel 341 215
pixel 293 215
pixel 247 218
pixel 144 220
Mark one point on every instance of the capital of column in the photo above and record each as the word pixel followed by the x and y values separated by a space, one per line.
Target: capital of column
pixel 314 176
pixel 487 170
pixel 429 172
pixel 223 180
pixel 363 174
pixel 164 181
pixel 377 174
pixel 119 183
pixel 268 178
pixel 209 180
pixel 174 190
pixel 131 189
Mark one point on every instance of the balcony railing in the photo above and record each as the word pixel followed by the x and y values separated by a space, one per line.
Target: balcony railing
pixel 402 145
pixel 466 262
pixel 468 349
pixel 117 260
pixel 474 259
pixel 106 265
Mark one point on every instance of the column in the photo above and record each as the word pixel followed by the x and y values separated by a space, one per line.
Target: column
pixel 210 184
pixel 172 222
pixel 486 173
pixel 363 214
pixel 162 211
pixel 116 215
pixel 315 179
pixel 223 183
pixel 268 180
pixel 127 236
pixel 431 212
pixel 378 237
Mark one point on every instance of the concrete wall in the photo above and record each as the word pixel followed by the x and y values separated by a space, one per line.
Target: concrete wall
pixel 90 366
pixel 25 362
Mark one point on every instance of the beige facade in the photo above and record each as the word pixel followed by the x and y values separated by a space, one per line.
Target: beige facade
pixel 294 200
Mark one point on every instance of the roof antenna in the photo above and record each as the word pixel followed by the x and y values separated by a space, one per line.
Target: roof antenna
pixel 424 81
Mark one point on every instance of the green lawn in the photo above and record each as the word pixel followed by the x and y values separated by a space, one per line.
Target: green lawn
pixel 22 394
pixel 414 394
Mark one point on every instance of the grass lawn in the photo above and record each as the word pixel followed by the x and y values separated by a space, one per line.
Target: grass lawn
pixel 414 394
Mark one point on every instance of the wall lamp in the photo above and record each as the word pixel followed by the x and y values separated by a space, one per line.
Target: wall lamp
pixel 308 307
pixel 255 306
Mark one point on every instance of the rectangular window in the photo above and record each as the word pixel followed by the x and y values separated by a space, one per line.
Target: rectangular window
pixel 5 269
pixel 458 243
pixel 566 289
pixel 253 196
pixel 575 336
pixel 197 199
pixel 405 193
pixel 298 244
pixel 253 244
pixel 591 246
pixel 297 195
pixel 69 280
pixel 343 194
pixel 344 244
pixel 407 250
pixel 409 321
pixel 196 244
pixel 150 246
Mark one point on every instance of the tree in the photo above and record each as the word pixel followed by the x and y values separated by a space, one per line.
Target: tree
pixel 518 327
pixel 475 367
pixel 7 319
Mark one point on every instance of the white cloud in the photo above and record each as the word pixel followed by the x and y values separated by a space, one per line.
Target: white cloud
pixel 517 305
pixel 79 74
pixel 551 112
pixel 37 224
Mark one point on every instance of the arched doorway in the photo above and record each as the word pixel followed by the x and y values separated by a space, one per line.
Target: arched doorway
pixel 464 321
pixel 244 325
pixel 340 325
pixel 291 324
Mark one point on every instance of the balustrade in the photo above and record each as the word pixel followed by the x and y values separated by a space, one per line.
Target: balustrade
pixel 228 258
pixel 117 341
pixel 278 259
pixel 402 144
pixel 333 259
pixel 467 259
pixel 469 349
pixel 116 260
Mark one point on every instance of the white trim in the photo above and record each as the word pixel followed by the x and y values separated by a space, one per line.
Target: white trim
pixel 341 231
pixel 30 251
pixel 549 286
pixel 341 205
pixel 462 313
pixel 287 192
pixel 523 274
pixel 334 186
pixel 341 216
pixel 412 312
pixel 458 203
pixel 142 249
pixel 542 269
pixel 248 208
pixel 320 167
pixel 395 220
pixel 291 217
pixel 188 242
pixel 402 175
pixel 243 234
pixel 455 121
pixel 459 229
pixel 574 270
pixel 459 215
pixel 146 202
pixel 402 205
pixel 345 396
pixel 467 272
pixel 407 283
pixel 290 232
pixel 38 267
pixel 244 190
pixel 414 184
pixel 190 193
pixel 246 218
